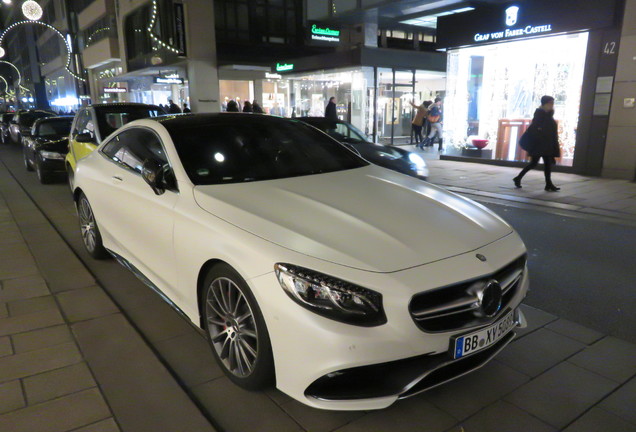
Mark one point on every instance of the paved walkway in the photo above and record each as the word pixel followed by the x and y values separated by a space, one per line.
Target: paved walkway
pixel 69 360
pixel 590 195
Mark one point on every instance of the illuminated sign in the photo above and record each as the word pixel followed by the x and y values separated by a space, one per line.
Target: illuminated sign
pixel 325 34
pixel 283 67
pixel 168 80
pixel 272 76
pixel 510 33
pixel 486 25
pixel 115 90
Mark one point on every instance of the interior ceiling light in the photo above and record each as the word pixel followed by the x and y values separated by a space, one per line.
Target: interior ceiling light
pixel 430 21
pixel 32 10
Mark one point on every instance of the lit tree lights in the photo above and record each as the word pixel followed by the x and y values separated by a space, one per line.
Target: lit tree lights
pixel 153 19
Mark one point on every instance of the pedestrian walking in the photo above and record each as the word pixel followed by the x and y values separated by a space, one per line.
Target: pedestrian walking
pixel 232 106
pixel 434 118
pixel 541 141
pixel 419 121
pixel 186 108
pixel 173 108
pixel 330 110
pixel 247 107
pixel 257 108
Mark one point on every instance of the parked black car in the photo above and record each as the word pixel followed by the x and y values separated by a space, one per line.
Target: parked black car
pixel 5 121
pixel 45 147
pixel 23 121
pixel 393 158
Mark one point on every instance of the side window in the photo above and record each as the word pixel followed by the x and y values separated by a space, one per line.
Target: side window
pixel 133 146
pixel 80 124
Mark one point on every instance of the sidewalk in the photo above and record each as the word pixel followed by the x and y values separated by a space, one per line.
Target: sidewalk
pixel 69 360
pixel 591 195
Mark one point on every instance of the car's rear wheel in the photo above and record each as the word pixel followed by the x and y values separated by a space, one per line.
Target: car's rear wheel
pixel 27 163
pixel 236 329
pixel 91 236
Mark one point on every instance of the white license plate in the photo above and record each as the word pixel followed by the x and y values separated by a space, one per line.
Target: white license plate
pixel 482 339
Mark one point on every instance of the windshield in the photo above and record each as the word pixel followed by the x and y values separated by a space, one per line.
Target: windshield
pixel 54 127
pixel 341 131
pixel 241 148
pixel 6 118
pixel 27 119
pixel 112 118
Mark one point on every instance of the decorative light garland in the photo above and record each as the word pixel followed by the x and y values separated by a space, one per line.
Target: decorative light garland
pixel 50 27
pixel 32 10
pixel 153 20
pixel 6 84
pixel 17 70
pixel 99 30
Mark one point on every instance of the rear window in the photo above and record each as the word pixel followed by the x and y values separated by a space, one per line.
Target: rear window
pixel 54 127
pixel 110 119
pixel 27 119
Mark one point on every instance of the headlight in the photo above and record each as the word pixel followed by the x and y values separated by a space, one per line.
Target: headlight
pixel 330 297
pixel 417 160
pixel 52 155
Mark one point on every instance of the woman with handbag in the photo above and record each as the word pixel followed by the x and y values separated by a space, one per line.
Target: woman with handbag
pixel 541 141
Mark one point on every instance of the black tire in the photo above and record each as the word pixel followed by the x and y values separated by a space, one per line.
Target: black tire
pixel 44 176
pixel 89 230
pixel 261 375
pixel 27 163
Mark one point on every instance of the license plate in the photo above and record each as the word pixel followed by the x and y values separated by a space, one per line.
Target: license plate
pixel 482 339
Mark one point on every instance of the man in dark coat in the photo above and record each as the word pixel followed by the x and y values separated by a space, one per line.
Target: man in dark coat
pixel 330 110
pixel 541 141
pixel 173 108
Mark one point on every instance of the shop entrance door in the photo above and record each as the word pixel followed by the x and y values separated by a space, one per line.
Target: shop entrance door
pixel 394 112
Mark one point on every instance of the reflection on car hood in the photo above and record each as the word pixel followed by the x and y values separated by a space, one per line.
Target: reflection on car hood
pixel 57 144
pixel 367 218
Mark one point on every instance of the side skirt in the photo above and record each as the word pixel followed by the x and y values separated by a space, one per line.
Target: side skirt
pixel 142 277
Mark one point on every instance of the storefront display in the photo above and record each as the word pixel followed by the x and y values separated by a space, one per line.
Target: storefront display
pixel 502 60
pixel 495 89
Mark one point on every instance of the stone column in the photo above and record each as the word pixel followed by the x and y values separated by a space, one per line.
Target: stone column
pixel 203 76
pixel 620 149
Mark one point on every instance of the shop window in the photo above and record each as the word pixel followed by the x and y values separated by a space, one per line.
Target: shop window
pixel 495 89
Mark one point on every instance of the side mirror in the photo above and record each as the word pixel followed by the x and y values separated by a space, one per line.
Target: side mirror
pixel 153 173
pixel 84 138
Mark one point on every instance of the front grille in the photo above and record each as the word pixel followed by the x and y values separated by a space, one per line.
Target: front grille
pixel 457 306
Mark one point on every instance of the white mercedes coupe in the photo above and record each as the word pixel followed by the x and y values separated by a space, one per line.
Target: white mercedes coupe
pixel 346 285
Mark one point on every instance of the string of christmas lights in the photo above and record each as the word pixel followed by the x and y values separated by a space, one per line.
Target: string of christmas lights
pixel 50 27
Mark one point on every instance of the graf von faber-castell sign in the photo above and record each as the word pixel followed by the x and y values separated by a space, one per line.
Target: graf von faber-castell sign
pixel 491 24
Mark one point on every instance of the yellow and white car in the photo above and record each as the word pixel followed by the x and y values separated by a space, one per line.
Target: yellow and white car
pixel 93 123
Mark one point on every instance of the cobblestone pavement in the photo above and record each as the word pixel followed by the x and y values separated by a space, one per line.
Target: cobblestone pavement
pixel 69 360
pixel 557 375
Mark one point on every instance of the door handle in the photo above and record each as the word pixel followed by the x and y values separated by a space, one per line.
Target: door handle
pixel 117 179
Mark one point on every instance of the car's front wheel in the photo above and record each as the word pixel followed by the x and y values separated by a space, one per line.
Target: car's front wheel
pixel 91 236
pixel 236 329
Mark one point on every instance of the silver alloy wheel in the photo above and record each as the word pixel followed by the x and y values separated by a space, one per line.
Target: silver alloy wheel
pixel 87 224
pixel 231 326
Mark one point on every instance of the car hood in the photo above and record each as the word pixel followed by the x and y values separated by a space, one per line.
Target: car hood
pixel 367 218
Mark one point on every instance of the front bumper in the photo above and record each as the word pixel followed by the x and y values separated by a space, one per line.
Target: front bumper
pixel 307 347
pixel 52 165
pixel 402 378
